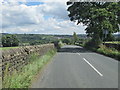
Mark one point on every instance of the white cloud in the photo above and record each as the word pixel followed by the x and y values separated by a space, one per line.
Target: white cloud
pixel 54 9
pixel 20 18
pixel 47 1
pixel 20 15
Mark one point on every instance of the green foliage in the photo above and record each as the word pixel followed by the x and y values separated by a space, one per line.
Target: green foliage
pixel 109 52
pixel 38 42
pixel 23 78
pixel 114 42
pixel 102 49
pixel 58 44
pixel 10 40
pixel 36 39
pixel 75 38
pixel 97 16
pixel 7 48
pixel 94 42
pixel 109 37
pixel 66 40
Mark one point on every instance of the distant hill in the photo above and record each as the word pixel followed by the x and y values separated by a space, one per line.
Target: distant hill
pixel 4 33
pixel 117 35
pixel 42 38
pixel 70 36
pixel 29 37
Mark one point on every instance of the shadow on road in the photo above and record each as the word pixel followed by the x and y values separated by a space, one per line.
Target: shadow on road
pixel 73 50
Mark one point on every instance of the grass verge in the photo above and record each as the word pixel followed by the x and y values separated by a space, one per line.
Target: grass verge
pixel 7 48
pixel 111 52
pixel 114 42
pixel 23 78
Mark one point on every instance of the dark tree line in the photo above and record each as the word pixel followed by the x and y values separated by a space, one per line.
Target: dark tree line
pixel 10 40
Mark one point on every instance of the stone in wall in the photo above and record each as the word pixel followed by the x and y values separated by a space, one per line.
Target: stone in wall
pixel 18 57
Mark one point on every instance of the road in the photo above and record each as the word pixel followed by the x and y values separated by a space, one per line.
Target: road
pixel 75 67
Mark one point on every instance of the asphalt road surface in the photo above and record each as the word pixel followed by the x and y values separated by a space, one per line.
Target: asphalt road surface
pixel 75 67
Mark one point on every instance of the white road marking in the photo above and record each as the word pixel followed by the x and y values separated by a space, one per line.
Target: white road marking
pixel 92 67
pixel 78 53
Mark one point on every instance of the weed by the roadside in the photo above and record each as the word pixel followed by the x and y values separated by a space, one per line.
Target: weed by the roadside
pixel 23 78
pixel 109 51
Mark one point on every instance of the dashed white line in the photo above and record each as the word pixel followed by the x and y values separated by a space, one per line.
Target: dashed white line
pixel 92 67
pixel 78 53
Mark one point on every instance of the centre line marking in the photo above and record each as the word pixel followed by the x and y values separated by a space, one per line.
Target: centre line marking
pixel 78 53
pixel 92 67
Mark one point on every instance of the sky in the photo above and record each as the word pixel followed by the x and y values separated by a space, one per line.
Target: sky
pixel 38 17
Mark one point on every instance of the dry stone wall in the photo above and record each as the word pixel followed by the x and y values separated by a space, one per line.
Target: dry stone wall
pixel 18 57
pixel 112 45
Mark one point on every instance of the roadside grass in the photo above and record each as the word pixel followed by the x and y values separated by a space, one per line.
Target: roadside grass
pixel 111 52
pixel 23 78
pixel 7 48
pixel 114 42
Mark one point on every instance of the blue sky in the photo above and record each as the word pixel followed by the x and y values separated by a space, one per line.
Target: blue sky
pixel 33 3
pixel 38 17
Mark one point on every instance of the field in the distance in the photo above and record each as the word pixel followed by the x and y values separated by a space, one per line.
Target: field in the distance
pixel 7 48
pixel 114 42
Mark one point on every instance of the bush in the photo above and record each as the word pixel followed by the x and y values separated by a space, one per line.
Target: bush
pixel 109 51
pixel 58 44
pixel 93 43
pixel 66 40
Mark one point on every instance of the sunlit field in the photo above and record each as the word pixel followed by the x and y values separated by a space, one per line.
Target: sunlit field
pixel 7 48
pixel 114 42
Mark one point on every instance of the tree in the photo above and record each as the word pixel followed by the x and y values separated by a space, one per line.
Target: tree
pixel 75 38
pixel 10 40
pixel 97 16
pixel 58 44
